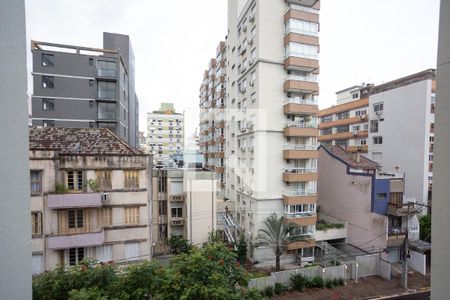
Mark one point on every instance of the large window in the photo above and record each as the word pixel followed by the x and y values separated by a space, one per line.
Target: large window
pixel 36 182
pixel 47 60
pixel 132 215
pixel 104 216
pixel 378 140
pixel 48 104
pixel 342 115
pixel 302 50
pixel 48 82
pixel 162 232
pixel 374 126
pixel 75 180
pixel 132 251
pixel 378 107
pixel 177 212
pixel 103 179
pixel 302 27
pixel 344 128
pixel 162 184
pixel 106 90
pixel 36 224
pixel 106 68
pixel 74 256
pixel 106 111
pixel 131 179
pixel 162 207
pixel 75 218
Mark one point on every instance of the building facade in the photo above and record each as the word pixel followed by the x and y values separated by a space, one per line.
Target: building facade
pixel 165 132
pixel 373 203
pixel 401 135
pixel 271 132
pixel 90 198
pixel 74 88
pixel 184 204
pixel 347 124
pixel 212 114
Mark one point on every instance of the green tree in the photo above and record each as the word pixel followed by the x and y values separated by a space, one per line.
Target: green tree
pixel 425 228
pixel 275 235
pixel 179 245
pixel 241 249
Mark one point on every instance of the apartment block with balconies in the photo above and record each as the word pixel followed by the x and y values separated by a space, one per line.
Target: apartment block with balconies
pixel 271 127
pixel 89 197
pixel 83 87
pixel 184 204
pixel 347 123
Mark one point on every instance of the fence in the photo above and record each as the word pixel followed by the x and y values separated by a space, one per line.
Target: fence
pixel 283 277
pixel 372 265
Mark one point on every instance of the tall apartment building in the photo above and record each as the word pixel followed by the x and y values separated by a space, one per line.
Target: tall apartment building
pixel 401 135
pixel 212 114
pixel 83 87
pixel 184 204
pixel 272 87
pixel 391 124
pixel 165 132
pixel 90 197
pixel 347 124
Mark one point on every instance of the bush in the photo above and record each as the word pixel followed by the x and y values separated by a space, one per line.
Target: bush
pixel 268 291
pixel 337 282
pixel 298 282
pixel 329 284
pixel 317 282
pixel 279 288
pixel 341 281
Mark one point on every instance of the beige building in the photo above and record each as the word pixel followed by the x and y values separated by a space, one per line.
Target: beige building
pixel 184 204
pixel 90 196
pixel 271 132
pixel 165 132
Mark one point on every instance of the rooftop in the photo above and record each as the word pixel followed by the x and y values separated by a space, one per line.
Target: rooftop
pixel 407 80
pixel 354 160
pixel 79 141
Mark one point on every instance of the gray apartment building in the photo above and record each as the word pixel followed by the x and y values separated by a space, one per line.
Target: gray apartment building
pixel 83 87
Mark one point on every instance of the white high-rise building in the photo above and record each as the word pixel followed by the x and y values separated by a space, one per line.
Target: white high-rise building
pixel 271 131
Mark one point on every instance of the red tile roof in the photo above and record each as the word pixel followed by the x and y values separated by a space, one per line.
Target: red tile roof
pixel 351 158
pixel 80 141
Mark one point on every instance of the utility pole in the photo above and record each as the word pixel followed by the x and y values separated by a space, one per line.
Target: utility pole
pixel 405 254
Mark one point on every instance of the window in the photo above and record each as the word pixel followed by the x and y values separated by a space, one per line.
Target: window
pixel 132 251
pixel 104 216
pixel 110 126
pixel 36 182
pixel 106 89
pixel 48 123
pixel 355 95
pixel 48 104
pixel 106 110
pixel 91 61
pixel 74 256
pixel 36 224
pixel 378 107
pixel 342 143
pixel 132 215
pixel 162 184
pixel 430 157
pixel 91 82
pixel 75 180
pixel 37 264
pixel 302 27
pixel 103 179
pixel 162 207
pixel 177 212
pixel 374 126
pixel 343 115
pixel 378 140
pixel 342 128
pixel 326 131
pixel 106 68
pixel 104 253
pixel 381 196
pixel 47 60
pixel 396 198
pixel 302 50
pixel 48 82
pixel 131 179
pixel 162 232
pixel 75 218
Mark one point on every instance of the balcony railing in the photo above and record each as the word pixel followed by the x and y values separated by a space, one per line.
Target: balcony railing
pixel 299 147
pixel 301 124
pixel 299 214
pixel 89 238
pixel 302 78
pixel 302 55
pixel 298 100
pixel 177 221
pixel 300 192
pixel 305 9
pixel 300 170
pixel 73 200
pixel 301 31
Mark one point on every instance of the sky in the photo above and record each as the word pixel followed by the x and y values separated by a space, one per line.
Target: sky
pixel 370 41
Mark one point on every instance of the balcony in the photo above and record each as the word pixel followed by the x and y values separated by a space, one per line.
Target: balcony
pixel 74 200
pixel 301 64
pixel 308 242
pixel 362 148
pixel 300 174
pixel 306 3
pixel 401 210
pixel 177 221
pixel 301 13
pixel 176 198
pixel 301 38
pixel 305 129
pixel 306 87
pixel 396 237
pixel 294 151
pixel 87 239
pixel 302 196
pixel 336 136
pixel 106 73
pixel 300 109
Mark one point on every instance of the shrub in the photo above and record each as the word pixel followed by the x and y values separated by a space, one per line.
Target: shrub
pixel 317 282
pixel 298 282
pixel 268 291
pixel 341 281
pixel 60 188
pixel 329 284
pixel 279 288
pixel 336 282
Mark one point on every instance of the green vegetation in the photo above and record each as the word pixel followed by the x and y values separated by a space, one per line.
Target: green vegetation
pixel 92 184
pixel 179 245
pixel 298 282
pixel 275 235
pixel 322 225
pixel 60 188
pixel 241 251
pixel 279 288
pixel 211 272
pixel 425 228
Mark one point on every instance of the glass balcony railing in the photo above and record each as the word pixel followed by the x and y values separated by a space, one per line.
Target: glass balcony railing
pixel 303 214
pixel 304 8
pixel 300 192
pixel 301 31
pixel 300 170
pixel 107 73
pixel 299 100
pixel 302 55
pixel 301 124
pixel 106 94
pixel 302 78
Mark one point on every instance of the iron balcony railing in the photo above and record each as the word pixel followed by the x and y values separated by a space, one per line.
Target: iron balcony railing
pixel 300 170
pixel 299 147
pixel 301 124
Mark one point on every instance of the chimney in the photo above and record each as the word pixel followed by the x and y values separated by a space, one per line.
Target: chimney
pixel 358 157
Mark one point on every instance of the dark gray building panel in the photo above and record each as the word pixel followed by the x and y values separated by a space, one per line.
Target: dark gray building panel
pixel 64 109
pixel 66 87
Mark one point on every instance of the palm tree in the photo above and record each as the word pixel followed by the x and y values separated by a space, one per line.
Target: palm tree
pixel 275 235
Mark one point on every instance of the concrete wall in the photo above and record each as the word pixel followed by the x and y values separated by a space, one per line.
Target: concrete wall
pixel 348 197
pixel 405 135
pixel 440 249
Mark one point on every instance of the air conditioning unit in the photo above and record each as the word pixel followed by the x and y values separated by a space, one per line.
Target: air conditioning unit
pixel 250 192
pixel 250 42
pixel 244 29
pixel 250 149
pixel 379 113
pixel 243 149
pixel 252 83
pixel 362 116
pixel 105 197
pixel 252 18
pixel 243 129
